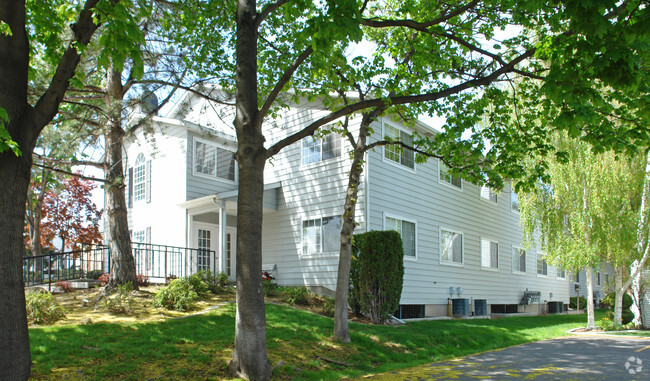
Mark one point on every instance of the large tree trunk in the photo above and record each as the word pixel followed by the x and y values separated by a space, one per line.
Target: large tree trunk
pixel 119 239
pixel 15 357
pixel 618 301
pixel 591 321
pixel 250 357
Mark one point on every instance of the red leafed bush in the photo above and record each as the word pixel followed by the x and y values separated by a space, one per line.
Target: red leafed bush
pixel 104 278
pixel 65 286
pixel 143 280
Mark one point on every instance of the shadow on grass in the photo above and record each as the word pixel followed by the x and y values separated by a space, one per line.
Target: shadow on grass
pixel 199 347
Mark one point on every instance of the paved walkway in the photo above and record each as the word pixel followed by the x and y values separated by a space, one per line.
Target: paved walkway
pixel 579 357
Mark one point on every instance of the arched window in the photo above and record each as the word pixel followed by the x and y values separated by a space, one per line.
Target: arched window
pixel 139 178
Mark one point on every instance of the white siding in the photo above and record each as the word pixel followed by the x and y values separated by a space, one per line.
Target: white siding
pixel 418 195
pixel 311 191
pixel 166 149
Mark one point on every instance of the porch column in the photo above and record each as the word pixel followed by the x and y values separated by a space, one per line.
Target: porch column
pixel 222 237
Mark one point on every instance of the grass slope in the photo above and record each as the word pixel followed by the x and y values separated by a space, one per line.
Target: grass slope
pixel 199 347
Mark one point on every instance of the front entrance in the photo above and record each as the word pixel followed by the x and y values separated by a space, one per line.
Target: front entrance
pixel 206 238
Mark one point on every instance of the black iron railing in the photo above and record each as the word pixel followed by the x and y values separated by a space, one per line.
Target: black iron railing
pixel 158 262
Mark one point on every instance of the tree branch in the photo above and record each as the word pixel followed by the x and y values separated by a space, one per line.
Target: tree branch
pixel 397 100
pixel 68 162
pixel 283 81
pixel 48 104
pixel 72 174
pixel 375 23
pixel 264 13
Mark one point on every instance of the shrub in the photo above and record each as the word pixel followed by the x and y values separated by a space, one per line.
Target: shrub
pixel 121 302
pixel 94 274
pixel 215 283
pixel 198 285
pixel 295 295
pixel 626 315
pixel 378 274
pixel 178 295
pixel 270 288
pixel 327 308
pixel 142 279
pixel 65 286
pixel 42 308
pixel 104 279
pixel 572 302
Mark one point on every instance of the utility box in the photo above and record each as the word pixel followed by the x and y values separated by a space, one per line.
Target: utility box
pixel 555 307
pixel 480 307
pixel 460 307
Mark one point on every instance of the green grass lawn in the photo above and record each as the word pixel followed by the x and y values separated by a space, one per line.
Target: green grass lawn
pixel 199 347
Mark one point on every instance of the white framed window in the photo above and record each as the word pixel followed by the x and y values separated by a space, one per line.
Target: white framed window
pixel 576 277
pixel 489 254
pixel 514 201
pixel 396 153
pixel 321 235
pixel 488 194
pixel 598 278
pixel 315 150
pixel 139 236
pixel 139 178
pixel 561 273
pixel 407 230
pixel 451 246
pixel 447 178
pixel 204 245
pixel 542 266
pixel 212 160
pixel 518 260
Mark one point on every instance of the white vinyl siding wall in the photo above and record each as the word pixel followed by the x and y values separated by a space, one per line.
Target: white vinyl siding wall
pixel 421 196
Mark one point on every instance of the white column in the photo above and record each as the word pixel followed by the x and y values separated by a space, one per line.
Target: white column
pixel 222 236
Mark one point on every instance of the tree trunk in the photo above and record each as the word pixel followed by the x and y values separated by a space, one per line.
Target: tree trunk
pixel 591 321
pixel 15 359
pixel 119 239
pixel 341 328
pixel 618 301
pixel 249 357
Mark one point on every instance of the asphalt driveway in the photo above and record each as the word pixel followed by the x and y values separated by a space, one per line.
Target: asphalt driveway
pixel 579 357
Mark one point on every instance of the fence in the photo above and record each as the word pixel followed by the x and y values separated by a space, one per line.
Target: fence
pixel 158 262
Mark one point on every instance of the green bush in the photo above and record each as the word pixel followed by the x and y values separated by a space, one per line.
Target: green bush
pixel 294 295
pixel 270 288
pixel 328 306
pixel 378 274
pixel 178 295
pixel 121 302
pixel 216 283
pixel 572 302
pixel 198 284
pixel 42 308
pixel 626 315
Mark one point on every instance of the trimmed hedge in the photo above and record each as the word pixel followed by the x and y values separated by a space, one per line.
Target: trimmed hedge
pixel 573 305
pixel 376 274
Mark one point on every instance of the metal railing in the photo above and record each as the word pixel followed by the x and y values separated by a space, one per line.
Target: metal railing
pixel 158 262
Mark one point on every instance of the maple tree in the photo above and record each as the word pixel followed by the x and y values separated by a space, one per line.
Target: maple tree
pixel 70 215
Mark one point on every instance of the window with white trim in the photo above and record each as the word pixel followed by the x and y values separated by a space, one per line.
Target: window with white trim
pixel 514 201
pixel 396 153
pixel 518 259
pixel 407 232
pixel 139 236
pixel 598 278
pixel 488 193
pixel 213 160
pixel 139 178
pixel 321 235
pixel 315 150
pixel 451 246
pixel 446 177
pixel 489 254
pixel 561 273
pixel 542 266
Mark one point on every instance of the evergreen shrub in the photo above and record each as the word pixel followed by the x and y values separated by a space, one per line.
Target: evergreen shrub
pixel 178 295
pixel 377 274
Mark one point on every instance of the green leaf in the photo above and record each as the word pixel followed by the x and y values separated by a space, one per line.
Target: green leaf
pixel 5 29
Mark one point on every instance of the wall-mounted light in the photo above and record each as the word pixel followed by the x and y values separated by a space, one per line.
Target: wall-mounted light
pixel 459 290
